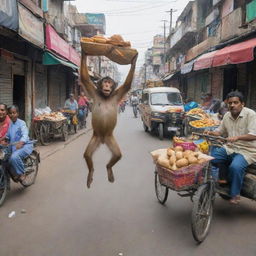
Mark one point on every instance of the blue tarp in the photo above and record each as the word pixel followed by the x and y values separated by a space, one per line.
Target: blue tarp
pixel 9 14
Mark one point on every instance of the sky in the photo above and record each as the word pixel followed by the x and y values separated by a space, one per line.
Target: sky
pixel 137 21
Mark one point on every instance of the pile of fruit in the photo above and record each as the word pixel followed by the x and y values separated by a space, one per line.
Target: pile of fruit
pixel 197 112
pixel 53 116
pixel 202 123
pixel 176 158
pixel 116 40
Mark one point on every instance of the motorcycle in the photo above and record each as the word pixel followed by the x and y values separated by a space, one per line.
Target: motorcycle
pixel 31 164
pixel 82 115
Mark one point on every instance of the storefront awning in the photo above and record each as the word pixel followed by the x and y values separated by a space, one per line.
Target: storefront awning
pixel 50 59
pixel 235 54
pixel 168 76
pixel 204 61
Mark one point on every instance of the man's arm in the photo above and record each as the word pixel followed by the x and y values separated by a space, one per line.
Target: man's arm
pixel 86 82
pixel 245 137
pixel 122 90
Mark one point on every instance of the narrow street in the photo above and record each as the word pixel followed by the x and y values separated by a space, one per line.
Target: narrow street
pixel 63 217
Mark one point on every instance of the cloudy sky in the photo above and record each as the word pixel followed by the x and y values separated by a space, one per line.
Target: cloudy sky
pixel 136 20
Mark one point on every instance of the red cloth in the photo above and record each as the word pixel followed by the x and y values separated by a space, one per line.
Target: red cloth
pixel 4 127
pixel 82 101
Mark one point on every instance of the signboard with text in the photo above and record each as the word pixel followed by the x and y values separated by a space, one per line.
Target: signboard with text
pixel 30 27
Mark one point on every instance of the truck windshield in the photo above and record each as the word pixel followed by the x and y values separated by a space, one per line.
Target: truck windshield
pixel 166 98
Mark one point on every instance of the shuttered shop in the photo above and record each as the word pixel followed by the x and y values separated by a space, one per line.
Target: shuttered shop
pixel 41 86
pixel 57 87
pixel 5 82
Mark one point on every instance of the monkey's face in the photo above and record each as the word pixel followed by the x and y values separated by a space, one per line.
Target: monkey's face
pixel 107 87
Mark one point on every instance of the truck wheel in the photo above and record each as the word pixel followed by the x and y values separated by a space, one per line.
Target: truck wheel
pixel 161 131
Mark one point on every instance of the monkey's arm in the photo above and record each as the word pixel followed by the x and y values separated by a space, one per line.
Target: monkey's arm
pixel 87 84
pixel 122 90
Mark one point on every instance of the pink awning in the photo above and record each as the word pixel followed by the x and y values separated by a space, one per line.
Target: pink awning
pixel 204 61
pixel 235 54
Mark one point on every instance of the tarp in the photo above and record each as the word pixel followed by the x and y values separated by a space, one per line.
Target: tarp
pixel 9 14
pixel 235 54
pixel 186 68
pixel 50 59
pixel 204 61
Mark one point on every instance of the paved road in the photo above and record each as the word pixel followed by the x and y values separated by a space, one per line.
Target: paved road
pixel 64 218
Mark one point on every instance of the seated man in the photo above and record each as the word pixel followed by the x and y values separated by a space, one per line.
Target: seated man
pixel 239 126
pixel 17 136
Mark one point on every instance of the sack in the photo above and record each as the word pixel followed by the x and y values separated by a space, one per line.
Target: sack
pixel 120 55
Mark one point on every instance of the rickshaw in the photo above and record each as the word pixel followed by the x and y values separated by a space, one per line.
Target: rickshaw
pixel 202 190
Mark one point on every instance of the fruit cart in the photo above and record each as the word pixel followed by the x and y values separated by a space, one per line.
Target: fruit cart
pixel 47 127
pixel 186 181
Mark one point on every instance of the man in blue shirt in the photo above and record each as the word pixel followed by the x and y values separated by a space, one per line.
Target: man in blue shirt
pixel 71 103
pixel 21 146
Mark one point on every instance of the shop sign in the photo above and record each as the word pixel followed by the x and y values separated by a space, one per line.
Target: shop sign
pixel 56 43
pixel 30 27
pixel 97 20
pixel 9 14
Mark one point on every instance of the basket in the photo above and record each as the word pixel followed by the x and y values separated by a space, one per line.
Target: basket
pixel 120 55
pixel 183 179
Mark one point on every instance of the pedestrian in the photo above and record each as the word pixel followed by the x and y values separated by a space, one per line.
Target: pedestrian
pixel 239 126
pixel 21 147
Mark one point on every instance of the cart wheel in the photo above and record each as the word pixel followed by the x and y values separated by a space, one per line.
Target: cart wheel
pixel 161 131
pixel 65 132
pixel 3 185
pixel 161 191
pixel 202 212
pixel 44 134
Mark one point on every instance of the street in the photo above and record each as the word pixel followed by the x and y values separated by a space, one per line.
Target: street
pixel 61 217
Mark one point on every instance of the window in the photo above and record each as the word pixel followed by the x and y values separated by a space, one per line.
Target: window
pixel 166 98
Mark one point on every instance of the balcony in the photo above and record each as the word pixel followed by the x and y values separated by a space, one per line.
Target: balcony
pixel 182 39
pixel 231 25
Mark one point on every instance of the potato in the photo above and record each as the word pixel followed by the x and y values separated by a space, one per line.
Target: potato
pixel 174 167
pixel 192 160
pixel 170 152
pixel 182 162
pixel 178 148
pixel 163 162
pixel 172 160
pixel 179 155
pixel 187 153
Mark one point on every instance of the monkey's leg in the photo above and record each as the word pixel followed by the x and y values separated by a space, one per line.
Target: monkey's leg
pixel 116 156
pixel 92 146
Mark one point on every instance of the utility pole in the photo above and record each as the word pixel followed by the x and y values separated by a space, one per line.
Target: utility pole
pixel 164 21
pixel 171 13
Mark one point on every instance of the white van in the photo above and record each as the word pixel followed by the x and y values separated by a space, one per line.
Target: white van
pixel 162 110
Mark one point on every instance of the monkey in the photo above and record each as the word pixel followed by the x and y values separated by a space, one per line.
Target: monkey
pixel 106 97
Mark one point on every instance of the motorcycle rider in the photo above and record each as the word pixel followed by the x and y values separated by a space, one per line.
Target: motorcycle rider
pixel 135 102
pixel 239 126
pixel 83 108
pixel 20 148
